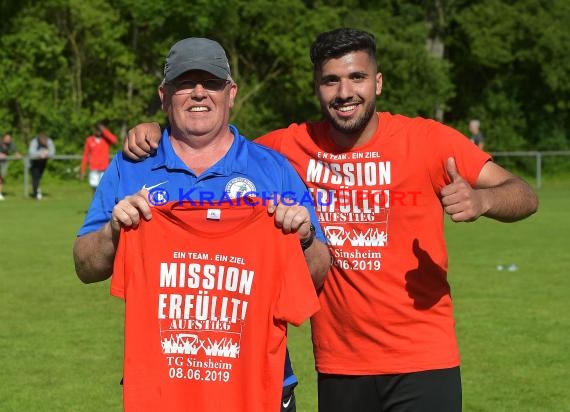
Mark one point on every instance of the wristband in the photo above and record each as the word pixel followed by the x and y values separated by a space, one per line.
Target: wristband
pixel 307 242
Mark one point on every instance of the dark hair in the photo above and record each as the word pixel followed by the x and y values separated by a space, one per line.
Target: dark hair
pixel 336 43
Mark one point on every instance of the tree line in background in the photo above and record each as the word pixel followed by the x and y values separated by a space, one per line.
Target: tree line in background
pixel 65 64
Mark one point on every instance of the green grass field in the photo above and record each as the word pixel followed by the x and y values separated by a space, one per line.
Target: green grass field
pixel 61 341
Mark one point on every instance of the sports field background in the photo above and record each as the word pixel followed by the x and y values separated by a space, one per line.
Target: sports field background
pixel 61 341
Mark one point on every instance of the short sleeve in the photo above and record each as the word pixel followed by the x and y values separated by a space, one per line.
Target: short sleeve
pixel 443 142
pixel 103 201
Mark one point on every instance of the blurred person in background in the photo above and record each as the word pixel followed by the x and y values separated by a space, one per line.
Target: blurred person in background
pixel 7 148
pixel 476 136
pixel 40 150
pixel 96 154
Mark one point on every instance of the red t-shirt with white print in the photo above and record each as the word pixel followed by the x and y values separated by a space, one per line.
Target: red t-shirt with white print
pixel 386 305
pixel 208 292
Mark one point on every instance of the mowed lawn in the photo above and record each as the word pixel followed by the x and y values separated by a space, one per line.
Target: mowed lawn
pixel 61 341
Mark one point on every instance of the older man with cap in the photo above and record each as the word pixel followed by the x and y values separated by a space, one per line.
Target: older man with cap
pixel 201 158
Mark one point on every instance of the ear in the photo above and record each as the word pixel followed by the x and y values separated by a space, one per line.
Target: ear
pixel 163 96
pixel 233 94
pixel 378 84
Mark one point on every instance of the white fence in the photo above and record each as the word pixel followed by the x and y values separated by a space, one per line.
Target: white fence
pixel 26 161
pixel 538 157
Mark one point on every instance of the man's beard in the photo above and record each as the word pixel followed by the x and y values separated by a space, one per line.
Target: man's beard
pixel 351 126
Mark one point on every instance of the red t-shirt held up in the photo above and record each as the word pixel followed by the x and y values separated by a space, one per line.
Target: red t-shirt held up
pixel 208 292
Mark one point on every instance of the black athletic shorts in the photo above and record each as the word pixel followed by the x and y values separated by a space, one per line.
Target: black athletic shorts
pixel 288 398
pixel 427 391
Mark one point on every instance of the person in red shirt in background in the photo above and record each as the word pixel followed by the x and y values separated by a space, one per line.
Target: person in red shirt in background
pixel 96 154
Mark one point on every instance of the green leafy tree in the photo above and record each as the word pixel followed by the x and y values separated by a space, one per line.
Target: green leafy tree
pixel 68 63
pixel 512 70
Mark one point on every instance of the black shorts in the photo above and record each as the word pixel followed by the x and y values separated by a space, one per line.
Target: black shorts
pixel 288 398
pixel 427 391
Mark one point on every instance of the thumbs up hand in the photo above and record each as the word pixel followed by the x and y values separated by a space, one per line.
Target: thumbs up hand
pixel 459 199
pixel 452 170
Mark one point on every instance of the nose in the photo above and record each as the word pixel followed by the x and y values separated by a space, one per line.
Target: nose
pixel 345 90
pixel 199 91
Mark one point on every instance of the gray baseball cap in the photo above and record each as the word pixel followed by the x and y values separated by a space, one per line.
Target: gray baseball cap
pixel 196 53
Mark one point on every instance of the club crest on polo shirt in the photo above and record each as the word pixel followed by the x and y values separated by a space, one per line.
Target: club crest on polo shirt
pixel 236 187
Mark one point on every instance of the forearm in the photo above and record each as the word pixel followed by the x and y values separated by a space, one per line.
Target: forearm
pixel 110 137
pixel 318 260
pixel 94 254
pixel 509 201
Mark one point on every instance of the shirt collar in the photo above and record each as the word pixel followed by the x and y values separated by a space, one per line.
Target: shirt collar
pixel 234 161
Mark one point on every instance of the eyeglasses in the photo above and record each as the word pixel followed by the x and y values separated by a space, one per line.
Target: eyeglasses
pixel 186 86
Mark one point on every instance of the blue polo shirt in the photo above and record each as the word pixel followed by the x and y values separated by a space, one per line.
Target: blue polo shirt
pixel 246 169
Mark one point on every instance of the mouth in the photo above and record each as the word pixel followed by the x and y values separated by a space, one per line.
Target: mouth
pixel 345 109
pixel 197 109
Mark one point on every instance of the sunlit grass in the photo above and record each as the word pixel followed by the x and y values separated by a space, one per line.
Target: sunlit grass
pixel 61 341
